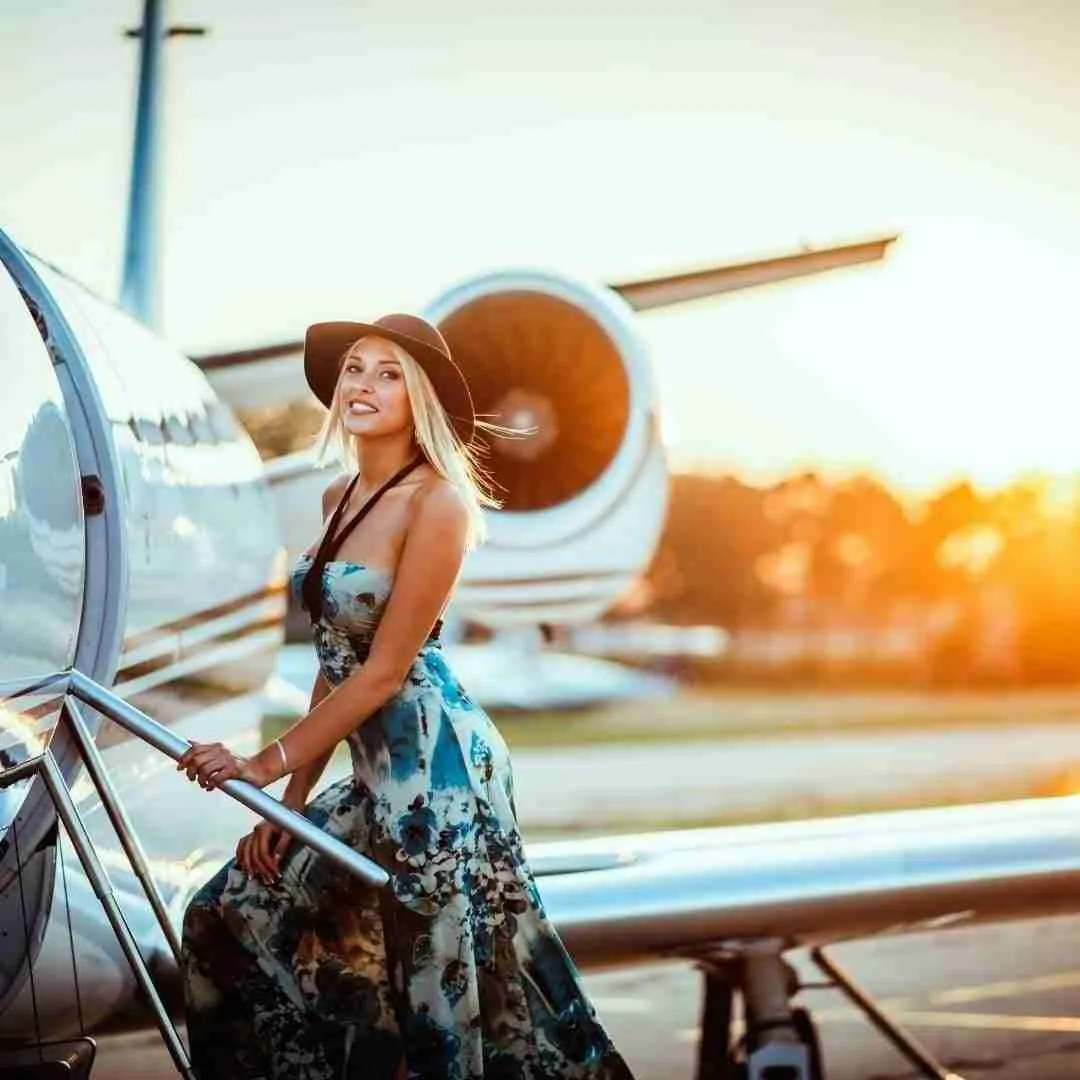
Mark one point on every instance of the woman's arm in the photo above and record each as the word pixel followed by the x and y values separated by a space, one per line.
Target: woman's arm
pixel 261 851
pixel 304 778
pixel 429 565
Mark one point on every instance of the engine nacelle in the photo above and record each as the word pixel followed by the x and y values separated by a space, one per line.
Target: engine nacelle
pixel 584 494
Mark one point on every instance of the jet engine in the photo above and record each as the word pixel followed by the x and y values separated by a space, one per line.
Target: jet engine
pixel 584 486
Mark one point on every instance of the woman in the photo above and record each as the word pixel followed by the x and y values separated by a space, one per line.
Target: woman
pixel 291 967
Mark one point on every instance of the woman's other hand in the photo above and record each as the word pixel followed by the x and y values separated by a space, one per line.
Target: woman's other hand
pixel 261 851
pixel 213 763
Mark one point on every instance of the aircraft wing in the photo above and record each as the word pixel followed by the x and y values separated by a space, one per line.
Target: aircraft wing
pixel 662 292
pixel 238 357
pixel 649 293
pixel 628 899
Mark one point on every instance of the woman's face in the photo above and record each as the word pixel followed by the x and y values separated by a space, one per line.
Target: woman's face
pixel 372 391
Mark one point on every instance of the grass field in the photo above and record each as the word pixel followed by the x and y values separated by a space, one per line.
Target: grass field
pixel 731 714
pixel 786 808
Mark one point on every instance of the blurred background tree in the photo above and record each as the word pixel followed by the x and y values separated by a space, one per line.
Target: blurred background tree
pixel 967 587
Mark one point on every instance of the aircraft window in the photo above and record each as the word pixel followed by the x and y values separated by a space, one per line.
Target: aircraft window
pixel 223 422
pixel 201 427
pixel 177 431
pixel 148 431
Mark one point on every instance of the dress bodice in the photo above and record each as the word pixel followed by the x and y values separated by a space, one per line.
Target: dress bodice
pixel 353 598
pixel 353 593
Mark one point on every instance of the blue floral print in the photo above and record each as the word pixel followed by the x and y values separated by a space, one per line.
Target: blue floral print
pixel 455 969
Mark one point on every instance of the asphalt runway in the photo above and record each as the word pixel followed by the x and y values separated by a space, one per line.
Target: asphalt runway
pixel 993 1003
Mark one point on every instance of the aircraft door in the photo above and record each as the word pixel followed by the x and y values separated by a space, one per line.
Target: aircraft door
pixel 61 579
pixel 42 576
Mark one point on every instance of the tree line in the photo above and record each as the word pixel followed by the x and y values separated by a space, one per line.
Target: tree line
pixel 962 587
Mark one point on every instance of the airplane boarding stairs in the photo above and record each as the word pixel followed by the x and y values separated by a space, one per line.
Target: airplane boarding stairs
pixel 74 1056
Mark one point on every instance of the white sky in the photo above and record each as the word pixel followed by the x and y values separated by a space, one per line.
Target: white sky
pixel 341 160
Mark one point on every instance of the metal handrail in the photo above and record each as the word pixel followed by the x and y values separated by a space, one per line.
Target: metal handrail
pixel 161 738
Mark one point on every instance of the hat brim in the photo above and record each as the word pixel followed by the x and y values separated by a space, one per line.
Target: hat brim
pixel 325 344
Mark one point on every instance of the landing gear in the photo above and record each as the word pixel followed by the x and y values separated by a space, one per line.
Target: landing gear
pixel 68 1060
pixel 903 1040
pixel 780 1042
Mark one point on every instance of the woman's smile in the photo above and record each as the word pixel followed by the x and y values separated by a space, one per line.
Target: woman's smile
pixel 372 386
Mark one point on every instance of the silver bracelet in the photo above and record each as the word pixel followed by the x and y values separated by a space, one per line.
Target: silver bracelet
pixel 284 759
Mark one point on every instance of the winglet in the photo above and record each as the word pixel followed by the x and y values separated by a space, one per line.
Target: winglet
pixel 696 284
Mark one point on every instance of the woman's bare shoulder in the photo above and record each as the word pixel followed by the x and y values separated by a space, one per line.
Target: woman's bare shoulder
pixel 438 502
pixel 440 491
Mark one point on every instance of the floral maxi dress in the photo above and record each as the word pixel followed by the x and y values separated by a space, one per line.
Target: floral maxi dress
pixel 454 967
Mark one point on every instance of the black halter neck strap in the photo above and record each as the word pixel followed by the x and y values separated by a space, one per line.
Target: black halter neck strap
pixel 330 543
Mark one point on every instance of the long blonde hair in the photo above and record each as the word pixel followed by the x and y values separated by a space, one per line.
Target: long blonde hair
pixel 454 461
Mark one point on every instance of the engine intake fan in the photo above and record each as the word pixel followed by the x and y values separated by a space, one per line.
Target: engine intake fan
pixel 541 362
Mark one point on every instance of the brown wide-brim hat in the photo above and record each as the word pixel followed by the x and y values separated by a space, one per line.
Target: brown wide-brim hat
pixel 326 342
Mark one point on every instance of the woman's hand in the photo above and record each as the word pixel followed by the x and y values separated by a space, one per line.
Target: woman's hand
pixel 260 852
pixel 212 764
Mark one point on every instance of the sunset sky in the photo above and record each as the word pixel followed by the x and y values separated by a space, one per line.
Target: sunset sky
pixel 344 159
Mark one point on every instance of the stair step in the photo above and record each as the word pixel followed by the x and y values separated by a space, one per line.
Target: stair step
pixel 67 1060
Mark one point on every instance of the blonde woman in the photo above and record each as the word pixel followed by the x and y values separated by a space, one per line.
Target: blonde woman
pixel 291 968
